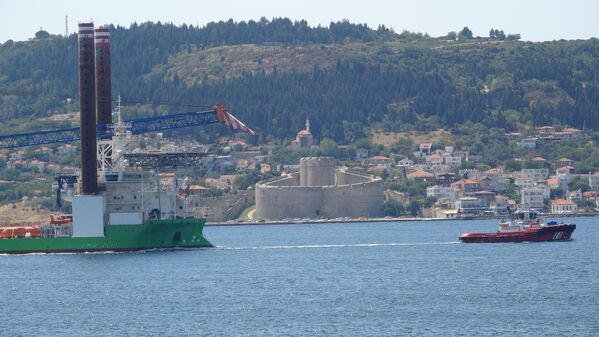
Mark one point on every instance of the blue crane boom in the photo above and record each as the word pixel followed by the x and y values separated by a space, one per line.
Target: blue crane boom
pixel 140 125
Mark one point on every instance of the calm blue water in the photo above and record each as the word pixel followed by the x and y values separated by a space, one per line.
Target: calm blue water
pixel 362 279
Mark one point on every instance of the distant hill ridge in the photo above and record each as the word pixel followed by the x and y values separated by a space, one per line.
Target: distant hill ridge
pixel 345 77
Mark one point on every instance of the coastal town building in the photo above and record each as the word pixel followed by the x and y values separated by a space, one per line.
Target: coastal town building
pixel 426 149
pixel 303 139
pixel 535 174
pixel 466 187
pixel 441 193
pixel 522 182
pixel 545 130
pixel 528 143
pixel 564 177
pixel 574 195
pixel 594 181
pixel 470 206
pixel 554 183
pixel 379 162
pixel 561 206
pixel 405 163
pixel 445 179
pixel 452 160
pixel 563 162
pixel 422 176
pixel 502 205
pixel 223 182
pixel 534 196
pixel 434 159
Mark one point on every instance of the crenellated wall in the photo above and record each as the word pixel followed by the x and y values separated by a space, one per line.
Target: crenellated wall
pixel 348 195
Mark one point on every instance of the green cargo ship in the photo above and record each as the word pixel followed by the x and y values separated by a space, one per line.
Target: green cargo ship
pixel 122 199
pixel 153 234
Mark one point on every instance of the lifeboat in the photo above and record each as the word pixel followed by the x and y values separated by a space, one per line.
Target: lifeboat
pixel 61 219
pixel 525 226
pixel 20 232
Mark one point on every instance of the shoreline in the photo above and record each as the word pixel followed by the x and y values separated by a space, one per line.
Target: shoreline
pixel 327 221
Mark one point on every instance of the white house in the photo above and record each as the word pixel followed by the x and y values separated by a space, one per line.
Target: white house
pixel 407 163
pixel 560 206
pixel 534 196
pixel 523 182
pixel 434 159
pixel 528 143
pixel 535 174
pixel 379 162
pixel 470 205
pixel 452 160
pixel 441 192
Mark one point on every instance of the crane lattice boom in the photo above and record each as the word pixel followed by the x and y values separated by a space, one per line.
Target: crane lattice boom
pixel 140 125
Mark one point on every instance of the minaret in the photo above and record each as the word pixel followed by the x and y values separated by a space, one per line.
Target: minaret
pixel 307 124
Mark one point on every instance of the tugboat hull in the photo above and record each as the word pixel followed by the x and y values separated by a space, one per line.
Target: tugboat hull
pixel 549 233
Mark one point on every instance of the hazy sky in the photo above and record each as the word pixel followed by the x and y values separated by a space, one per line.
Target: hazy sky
pixel 535 20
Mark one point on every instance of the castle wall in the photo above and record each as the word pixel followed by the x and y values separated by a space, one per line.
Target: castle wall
pixel 353 200
pixel 356 200
pixel 275 203
pixel 346 178
pixel 317 191
pixel 291 180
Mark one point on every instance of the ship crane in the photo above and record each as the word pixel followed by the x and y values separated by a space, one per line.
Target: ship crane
pixel 136 126
pixel 109 133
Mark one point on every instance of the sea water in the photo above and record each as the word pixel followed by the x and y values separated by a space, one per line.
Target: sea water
pixel 344 279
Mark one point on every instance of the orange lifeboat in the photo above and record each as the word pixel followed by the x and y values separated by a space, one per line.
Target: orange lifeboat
pixel 20 232
pixel 61 219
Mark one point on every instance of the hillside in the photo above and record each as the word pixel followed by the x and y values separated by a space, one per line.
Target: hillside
pixel 346 78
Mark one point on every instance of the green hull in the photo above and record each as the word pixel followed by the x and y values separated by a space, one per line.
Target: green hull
pixel 155 234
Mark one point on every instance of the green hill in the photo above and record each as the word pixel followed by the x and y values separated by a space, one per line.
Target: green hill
pixel 345 77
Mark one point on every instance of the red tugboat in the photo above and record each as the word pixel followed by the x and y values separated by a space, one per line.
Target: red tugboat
pixel 526 226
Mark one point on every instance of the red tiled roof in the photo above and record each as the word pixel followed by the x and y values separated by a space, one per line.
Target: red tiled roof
pixel 465 181
pixel 494 170
pixel 562 202
pixel 420 174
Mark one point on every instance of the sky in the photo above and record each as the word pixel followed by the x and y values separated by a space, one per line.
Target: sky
pixel 535 20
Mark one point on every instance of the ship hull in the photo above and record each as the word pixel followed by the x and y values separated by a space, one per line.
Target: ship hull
pixel 548 233
pixel 156 234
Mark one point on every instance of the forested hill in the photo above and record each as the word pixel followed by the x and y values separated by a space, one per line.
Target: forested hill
pixel 344 77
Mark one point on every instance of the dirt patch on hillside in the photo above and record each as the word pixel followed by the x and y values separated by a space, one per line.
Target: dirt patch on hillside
pixel 390 138
pixel 23 213
pixel 195 66
pixel 66 117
